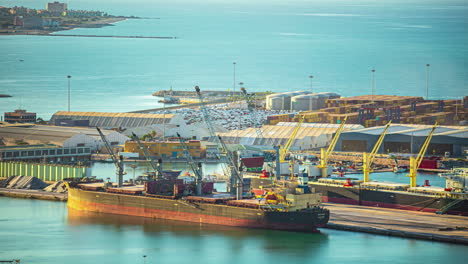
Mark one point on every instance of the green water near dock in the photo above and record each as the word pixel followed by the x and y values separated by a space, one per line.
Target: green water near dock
pixel 45 232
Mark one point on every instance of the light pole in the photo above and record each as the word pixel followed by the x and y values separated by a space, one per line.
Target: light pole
pixel 234 76
pixel 427 81
pixel 373 82
pixel 239 102
pixel 311 77
pixel 68 77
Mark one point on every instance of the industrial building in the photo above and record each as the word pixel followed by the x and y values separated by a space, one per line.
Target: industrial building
pixel 117 120
pixel 66 137
pixel 48 153
pixel 166 149
pixel 310 135
pixel 20 116
pixel 405 138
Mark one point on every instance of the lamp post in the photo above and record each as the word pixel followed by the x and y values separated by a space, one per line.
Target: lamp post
pixel 427 81
pixel 311 77
pixel 241 85
pixel 68 77
pixel 233 76
pixel 373 83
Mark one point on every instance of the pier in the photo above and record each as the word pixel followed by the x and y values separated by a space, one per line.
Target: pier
pixel 33 194
pixel 104 36
pixel 400 223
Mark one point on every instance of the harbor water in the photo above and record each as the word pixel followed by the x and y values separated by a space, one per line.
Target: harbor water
pixel 46 232
pixel 276 46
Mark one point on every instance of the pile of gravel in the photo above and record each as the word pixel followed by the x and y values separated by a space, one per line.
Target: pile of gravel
pixel 58 187
pixel 24 182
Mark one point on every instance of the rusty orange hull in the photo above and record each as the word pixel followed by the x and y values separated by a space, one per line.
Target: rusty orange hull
pixel 179 210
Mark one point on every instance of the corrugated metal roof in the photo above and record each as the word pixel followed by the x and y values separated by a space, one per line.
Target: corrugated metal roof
pixel 407 129
pixel 321 125
pixel 107 114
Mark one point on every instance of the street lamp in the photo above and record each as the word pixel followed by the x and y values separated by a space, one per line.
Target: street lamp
pixel 234 77
pixel 68 77
pixel 427 81
pixel 373 82
pixel 311 77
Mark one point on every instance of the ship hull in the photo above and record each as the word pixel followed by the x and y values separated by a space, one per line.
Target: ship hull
pixel 388 199
pixel 172 209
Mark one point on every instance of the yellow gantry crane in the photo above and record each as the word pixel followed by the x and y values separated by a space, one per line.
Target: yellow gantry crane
pixel 415 162
pixel 368 158
pixel 284 150
pixel 325 155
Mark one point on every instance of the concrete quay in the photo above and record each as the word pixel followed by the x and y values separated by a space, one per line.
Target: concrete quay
pixel 33 194
pixel 400 223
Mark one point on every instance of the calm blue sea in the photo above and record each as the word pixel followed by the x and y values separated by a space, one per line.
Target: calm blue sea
pixel 276 45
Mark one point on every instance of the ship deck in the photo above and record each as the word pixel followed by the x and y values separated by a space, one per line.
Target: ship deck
pixel 394 222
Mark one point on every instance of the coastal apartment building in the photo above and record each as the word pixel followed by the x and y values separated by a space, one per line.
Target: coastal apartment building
pixel 166 149
pixel 56 7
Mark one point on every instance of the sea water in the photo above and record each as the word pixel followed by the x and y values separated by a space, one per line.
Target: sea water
pixel 276 45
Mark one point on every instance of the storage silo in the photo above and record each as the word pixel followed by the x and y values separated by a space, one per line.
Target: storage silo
pixel 281 101
pixel 309 102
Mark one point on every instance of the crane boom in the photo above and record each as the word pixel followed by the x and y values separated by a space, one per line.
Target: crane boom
pixel 196 169
pixel 284 150
pixel 325 155
pixel 368 158
pixel 118 162
pixel 148 157
pixel 416 162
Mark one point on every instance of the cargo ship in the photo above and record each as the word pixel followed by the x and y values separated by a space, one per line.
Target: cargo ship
pixel 453 199
pixel 173 200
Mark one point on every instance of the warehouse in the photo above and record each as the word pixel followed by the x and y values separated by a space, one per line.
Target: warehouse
pixel 310 135
pixel 66 137
pixel 405 138
pixel 117 120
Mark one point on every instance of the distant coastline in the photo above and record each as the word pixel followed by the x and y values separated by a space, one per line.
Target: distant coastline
pixel 108 21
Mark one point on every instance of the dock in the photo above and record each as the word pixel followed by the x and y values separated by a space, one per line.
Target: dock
pixel 400 223
pixel 33 194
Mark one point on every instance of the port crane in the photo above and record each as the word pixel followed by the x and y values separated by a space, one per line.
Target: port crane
pixel 196 168
pixel 284 150
pixel 415 162
pixel 368 158
pixel 118 161
pixel 325 155
pixel 156 167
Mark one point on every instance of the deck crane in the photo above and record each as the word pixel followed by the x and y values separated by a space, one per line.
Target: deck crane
pixel 156 167
pixel 325 155
pixel 221 145
pixel 234 169
pixel 250 105
pixel 415 162
pixel 368 158
pixel 196 168
pixel 118 161
pixel 284 150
